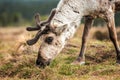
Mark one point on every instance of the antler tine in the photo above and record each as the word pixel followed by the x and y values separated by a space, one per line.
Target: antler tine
pixel 39 23
pixel 35 39
pixel 41 31
pixel 37 36
pixel 37 19
pixel 50 18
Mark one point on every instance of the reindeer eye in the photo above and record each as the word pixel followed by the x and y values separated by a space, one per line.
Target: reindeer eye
pixel 49 40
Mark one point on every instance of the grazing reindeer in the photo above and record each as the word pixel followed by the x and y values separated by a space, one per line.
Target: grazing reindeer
pixel 63 22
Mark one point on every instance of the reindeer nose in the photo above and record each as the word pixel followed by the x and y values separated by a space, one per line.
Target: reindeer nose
pixel 38 63
pixel 49 40
pixel 42 64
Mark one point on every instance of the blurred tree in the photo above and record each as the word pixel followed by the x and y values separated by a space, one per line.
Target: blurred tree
pixel 4 19
pixel 117 19
pixel 17 17
pixel 17 11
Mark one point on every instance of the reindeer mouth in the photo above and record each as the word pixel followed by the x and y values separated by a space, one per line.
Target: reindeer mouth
pixel 41 62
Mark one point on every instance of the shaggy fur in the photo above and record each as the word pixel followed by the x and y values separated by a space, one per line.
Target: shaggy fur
pixel 66 20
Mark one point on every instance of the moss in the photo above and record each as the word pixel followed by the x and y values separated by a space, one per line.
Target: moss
pixel 67 70
pixel 6 69
pixel 100 63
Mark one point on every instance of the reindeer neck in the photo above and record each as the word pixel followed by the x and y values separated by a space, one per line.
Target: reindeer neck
pixel 69 11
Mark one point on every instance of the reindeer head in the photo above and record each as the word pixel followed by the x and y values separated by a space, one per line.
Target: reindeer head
pixel 52 42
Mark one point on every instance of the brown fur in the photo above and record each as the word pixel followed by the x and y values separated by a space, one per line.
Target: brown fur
pixel 109 18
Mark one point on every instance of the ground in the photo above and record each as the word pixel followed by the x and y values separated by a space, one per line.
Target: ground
pixel 17 59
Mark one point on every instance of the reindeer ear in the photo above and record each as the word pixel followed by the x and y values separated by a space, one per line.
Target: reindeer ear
pixel 60 29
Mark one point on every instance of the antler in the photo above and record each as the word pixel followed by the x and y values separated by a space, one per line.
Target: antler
pixel 39 23
pixel 43 27
pixel 37 36
pixel 38 26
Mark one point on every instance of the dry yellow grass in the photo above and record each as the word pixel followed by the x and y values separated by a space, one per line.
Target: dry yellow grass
pixel 17 59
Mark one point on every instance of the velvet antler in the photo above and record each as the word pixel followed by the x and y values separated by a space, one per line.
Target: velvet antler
pixel 43 27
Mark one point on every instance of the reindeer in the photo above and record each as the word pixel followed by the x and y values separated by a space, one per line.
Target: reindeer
pixel 63 23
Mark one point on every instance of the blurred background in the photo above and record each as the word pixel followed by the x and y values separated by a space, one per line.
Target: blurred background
pixel 21 12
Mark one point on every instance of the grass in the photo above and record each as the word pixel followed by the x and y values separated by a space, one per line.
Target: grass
pixel 17 60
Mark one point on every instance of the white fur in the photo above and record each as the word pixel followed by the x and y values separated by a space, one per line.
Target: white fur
pixel 66 15
pixel 69 12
